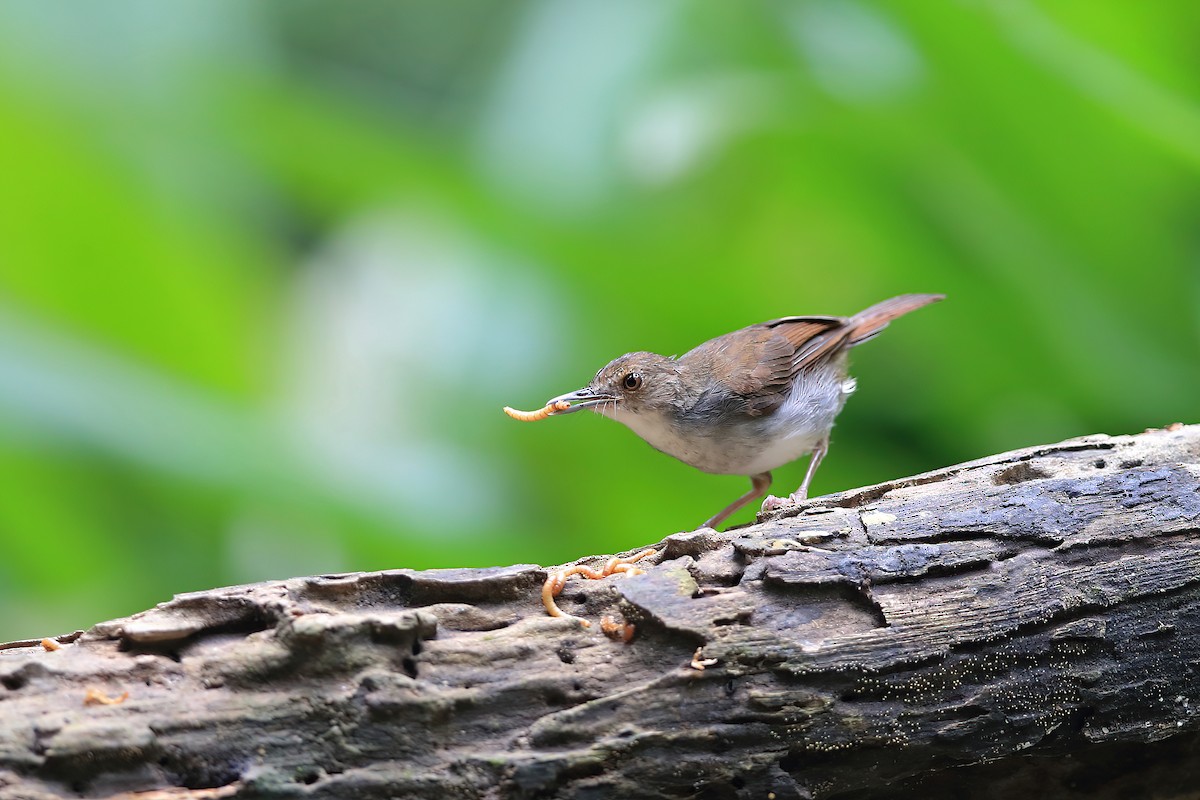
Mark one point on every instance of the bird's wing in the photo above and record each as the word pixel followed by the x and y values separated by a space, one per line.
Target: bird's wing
pixel 759 362
pixel 812 339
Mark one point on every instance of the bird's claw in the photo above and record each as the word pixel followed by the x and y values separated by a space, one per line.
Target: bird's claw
pixel 773 503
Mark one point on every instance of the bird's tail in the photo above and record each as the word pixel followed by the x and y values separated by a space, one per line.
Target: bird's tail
pixel 869 322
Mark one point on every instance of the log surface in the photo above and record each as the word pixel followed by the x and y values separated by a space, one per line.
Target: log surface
pixel 1023 625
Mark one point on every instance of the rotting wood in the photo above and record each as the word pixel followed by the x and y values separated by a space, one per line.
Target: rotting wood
pixel 1023 625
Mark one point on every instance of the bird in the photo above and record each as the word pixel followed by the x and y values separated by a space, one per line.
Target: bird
pixel 744 403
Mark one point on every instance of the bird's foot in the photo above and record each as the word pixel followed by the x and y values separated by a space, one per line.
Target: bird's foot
pixel 773 503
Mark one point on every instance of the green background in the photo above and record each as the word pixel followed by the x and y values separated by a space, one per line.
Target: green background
pixel 269 270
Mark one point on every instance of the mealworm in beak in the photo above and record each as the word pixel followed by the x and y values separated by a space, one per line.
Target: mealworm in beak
pixel 541 413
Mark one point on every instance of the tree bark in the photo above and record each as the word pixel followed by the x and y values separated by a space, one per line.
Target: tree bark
pixel 1026 625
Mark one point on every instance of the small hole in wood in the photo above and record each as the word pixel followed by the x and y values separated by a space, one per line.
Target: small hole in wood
pixel 1019 473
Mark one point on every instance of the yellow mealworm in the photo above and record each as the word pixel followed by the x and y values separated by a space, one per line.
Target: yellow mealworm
pixel 552 586
pixel 555 581
pixel 701 663
pixel 95 697
pixel 541 413
pixel 616 630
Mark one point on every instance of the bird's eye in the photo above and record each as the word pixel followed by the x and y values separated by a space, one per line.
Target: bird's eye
pixel 633 381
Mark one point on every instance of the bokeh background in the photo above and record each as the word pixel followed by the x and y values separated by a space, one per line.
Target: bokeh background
pixel 269 270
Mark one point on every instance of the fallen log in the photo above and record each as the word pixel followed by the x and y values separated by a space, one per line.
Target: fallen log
pixel 1023 625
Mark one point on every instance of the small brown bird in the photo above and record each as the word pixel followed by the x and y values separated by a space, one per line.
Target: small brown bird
pixel 743 403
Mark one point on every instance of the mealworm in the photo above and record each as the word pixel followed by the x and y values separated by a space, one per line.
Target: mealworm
pixel 701 663
pixel 541 413
pixel 555 582
pixel 616 630
pixel 553 585
pixel 95 697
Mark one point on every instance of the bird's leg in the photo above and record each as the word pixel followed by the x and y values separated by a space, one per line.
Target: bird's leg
pixel 814 461
pixel 800 495
pixel 758 486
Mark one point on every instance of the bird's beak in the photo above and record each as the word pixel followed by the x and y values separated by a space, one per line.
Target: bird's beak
pixel 579 400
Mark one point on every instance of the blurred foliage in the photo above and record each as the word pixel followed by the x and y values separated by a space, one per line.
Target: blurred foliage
pixel 268 271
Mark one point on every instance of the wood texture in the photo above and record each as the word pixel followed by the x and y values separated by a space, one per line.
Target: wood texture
pixel 1023 625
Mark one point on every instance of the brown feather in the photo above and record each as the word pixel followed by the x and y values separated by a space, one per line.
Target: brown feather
pixel 761 362
pixel 756 364
pixel 871 321
pixel 813 339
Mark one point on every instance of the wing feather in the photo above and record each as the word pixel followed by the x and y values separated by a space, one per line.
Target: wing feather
pixel 759 363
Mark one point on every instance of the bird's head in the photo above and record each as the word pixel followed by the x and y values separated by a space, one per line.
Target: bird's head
pixel 632 384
